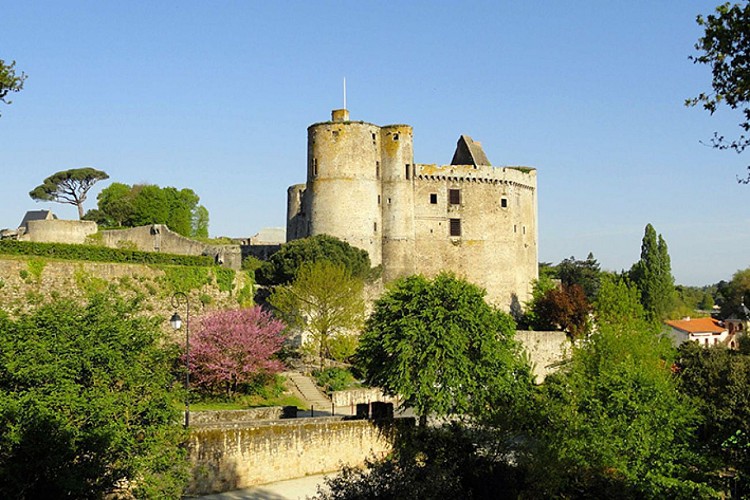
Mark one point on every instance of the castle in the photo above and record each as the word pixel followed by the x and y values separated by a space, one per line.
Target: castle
pixel 468 217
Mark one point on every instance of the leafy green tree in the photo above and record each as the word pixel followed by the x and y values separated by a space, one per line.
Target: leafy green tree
pixel 707 302
pixel 584 273
pixel 150 206
pixel 200 222
pixel 68 186
pixel 438 345
pixel 735 293
pixel 652 274
pixel 719 381
pixel 530 319
pixel 116 203
pixel 324 300
pixel 86 405
pixel 612 423
pixel 9 80
pixel 618 302
pixel 182 206
pixel 138 205
pixel 725 48
pixel 282 267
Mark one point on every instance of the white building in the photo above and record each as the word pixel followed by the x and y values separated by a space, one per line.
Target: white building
pixel 706 331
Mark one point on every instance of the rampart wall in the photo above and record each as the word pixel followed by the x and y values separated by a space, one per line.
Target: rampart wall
pixel 59 231
pixel 159 238
pixel 27 282
pixel 546 350
pixel 226 458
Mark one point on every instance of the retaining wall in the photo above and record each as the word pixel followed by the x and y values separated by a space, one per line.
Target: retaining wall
pixel 229 458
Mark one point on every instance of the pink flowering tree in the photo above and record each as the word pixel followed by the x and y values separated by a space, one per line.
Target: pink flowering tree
pixel 235 347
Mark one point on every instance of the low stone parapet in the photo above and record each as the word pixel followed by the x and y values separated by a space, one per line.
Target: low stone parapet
pixel 224 417
pixel 239 456
pixel 353 397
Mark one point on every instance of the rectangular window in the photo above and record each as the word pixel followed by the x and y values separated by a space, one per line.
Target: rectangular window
pixel 315 167
pixel 378 199
pixel 433 198
pixel 377 170
pixel 407 171
pixel 454 196
pixel 375 226
pixel 455 227
pixel 504 202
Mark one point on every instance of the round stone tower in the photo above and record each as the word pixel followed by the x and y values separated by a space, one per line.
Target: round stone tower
pixel 343 182
pixel 397 158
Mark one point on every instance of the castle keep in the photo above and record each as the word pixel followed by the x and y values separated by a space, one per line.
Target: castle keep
pixel 468 217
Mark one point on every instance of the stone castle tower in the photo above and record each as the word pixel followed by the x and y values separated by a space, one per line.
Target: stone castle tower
pixel 468 217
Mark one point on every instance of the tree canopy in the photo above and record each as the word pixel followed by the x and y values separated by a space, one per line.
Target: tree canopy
pixel 442 348
pixel 9 80
pixel 613 424
pixel 652 275
pixel 734 294
pixel 725 48
pixel 233 348
pixel 324 300
pixel 86 404
pixel 68 186
pixel 122 205
pixel 282 267
pixel 718 379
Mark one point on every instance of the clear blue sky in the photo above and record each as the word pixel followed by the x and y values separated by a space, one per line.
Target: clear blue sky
pixel 217 96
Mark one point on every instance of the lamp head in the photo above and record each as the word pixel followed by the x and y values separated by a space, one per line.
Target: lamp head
pixel 175 321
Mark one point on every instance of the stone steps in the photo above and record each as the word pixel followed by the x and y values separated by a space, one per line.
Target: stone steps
pixel 309 391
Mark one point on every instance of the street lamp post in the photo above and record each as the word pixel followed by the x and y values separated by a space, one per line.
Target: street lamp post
pixel 177 299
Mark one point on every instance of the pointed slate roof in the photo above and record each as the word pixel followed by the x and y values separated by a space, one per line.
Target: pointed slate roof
pixel 469 152
pixel 36 215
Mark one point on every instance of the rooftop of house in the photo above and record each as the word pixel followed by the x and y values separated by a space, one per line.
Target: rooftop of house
pixel 697 325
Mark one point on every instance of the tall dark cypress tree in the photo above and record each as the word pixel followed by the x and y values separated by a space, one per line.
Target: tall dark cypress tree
pixel 653 275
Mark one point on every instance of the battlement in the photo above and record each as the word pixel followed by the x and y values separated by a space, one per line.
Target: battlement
pixel 524 177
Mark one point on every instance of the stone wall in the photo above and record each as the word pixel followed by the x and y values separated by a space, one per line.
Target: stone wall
pixel 496 214
pixel 229 458
pixel 221 417
pixel 58 231
pixel 546 350
pixel 352 397
pixel 159 238
pixel 27 282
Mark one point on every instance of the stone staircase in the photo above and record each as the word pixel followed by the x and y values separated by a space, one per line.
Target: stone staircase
pixel 309 391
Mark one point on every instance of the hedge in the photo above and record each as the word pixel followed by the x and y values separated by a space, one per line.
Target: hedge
pixel 100 254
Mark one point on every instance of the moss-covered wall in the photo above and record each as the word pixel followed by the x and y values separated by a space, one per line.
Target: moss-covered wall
pixel 28 281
